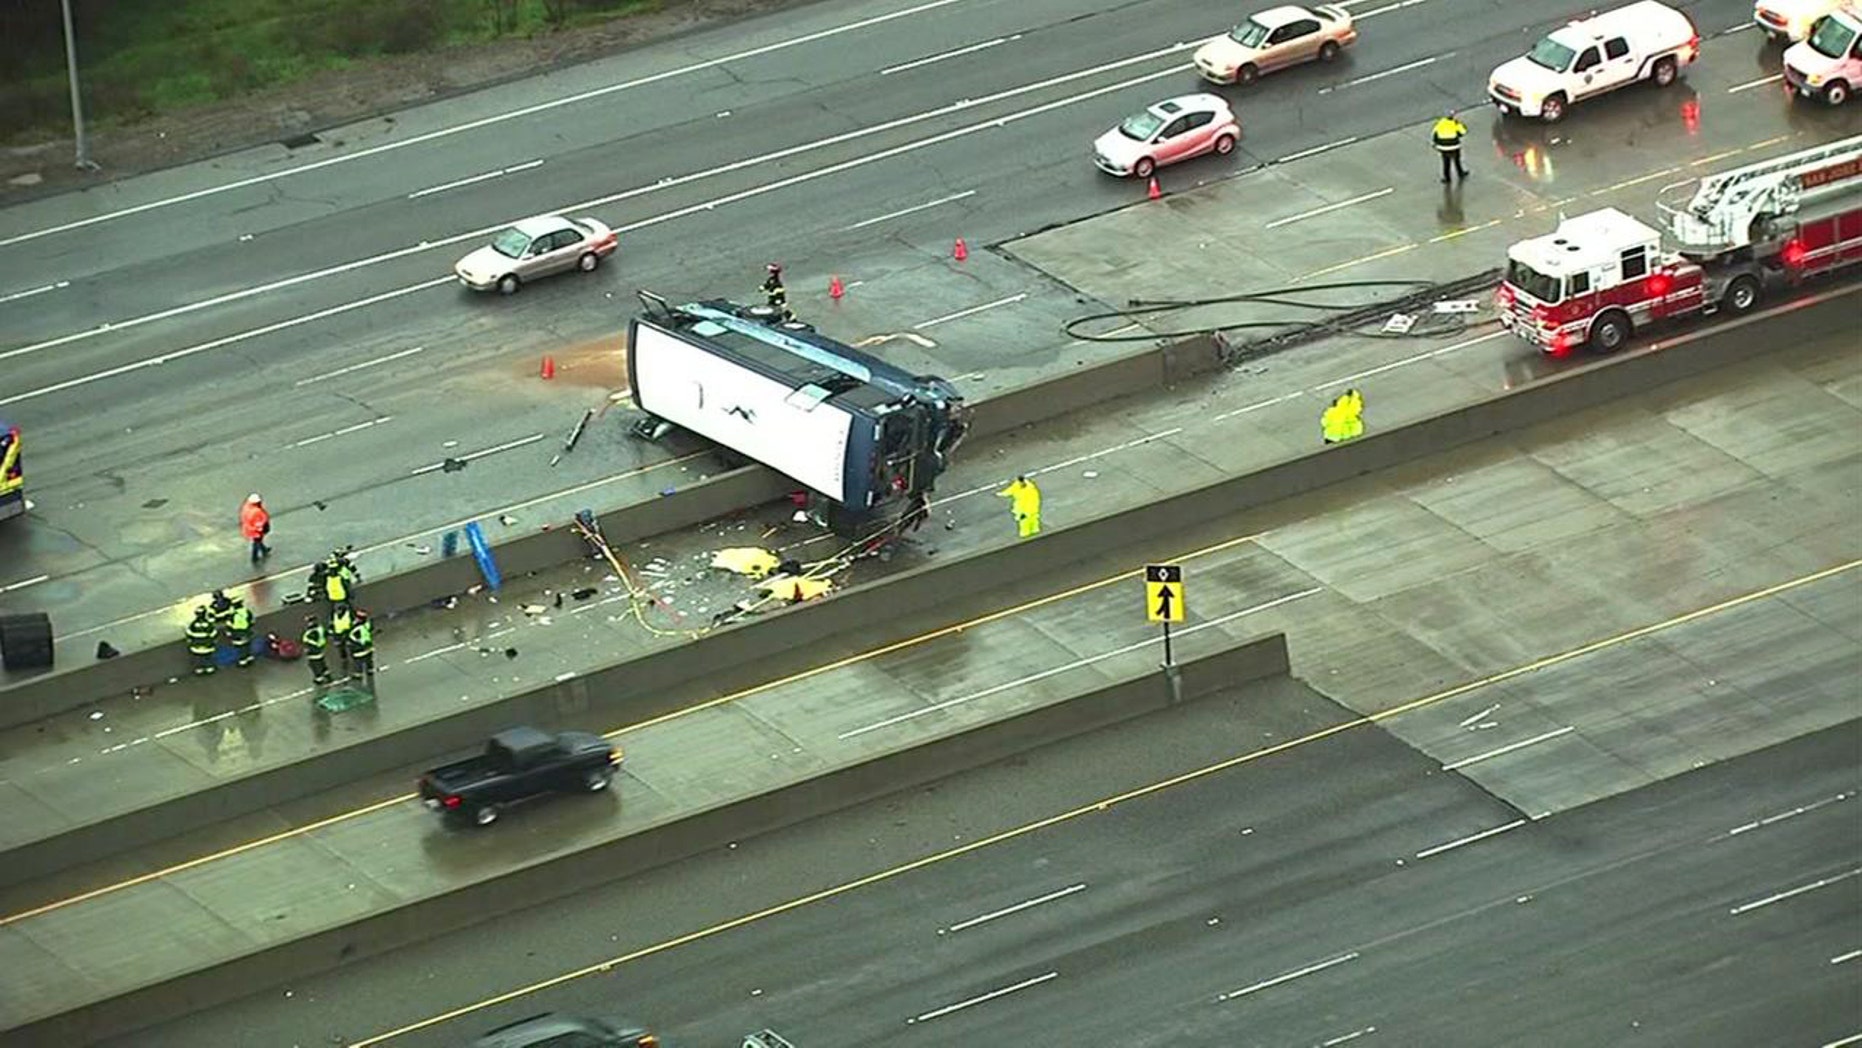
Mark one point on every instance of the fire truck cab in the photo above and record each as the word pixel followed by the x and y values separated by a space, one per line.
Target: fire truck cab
pixel 1593 281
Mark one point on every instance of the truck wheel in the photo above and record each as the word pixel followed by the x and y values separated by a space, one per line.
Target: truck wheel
pixel 1743 293
pixel 1608 333
pixel 1665 72
pixel 484 815
pixel 1552 110
pixel 595 781
pixel 1836 94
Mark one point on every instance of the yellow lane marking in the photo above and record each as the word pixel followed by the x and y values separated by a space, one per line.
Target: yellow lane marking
pixel 945 631
pixel 1105 804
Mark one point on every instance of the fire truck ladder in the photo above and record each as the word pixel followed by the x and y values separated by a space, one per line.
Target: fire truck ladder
pixel 1723 213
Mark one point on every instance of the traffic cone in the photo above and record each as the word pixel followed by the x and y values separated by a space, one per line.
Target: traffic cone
pixel 836 289
pixel 549 367
pixel 1154 193
pixel 961 251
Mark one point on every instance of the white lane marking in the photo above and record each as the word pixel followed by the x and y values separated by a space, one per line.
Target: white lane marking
pixel 973 310
pixel 1478 717
pixel 358 367
pixel 474 180
pixel 1739 28
pixel 990 996
pixel 473 125
pixel 1509 748
pixel 182 354
pixel 914 209
pixel 1760 82
pixel 1783 815
pixel 1316 150
pixel 1074 461
pixel 23 583
pixel 1089 660
pixel 1854 1038
pixel 1842 957
pixel 1317 211
pixel 668 183
pixel 1386 9
pixel 17 295
pixel 1470 839
pixel 1799 890
pixel 1417 359
pixel 1418 64
pixel 1355 1034
pixel 345 431
pixel 1017 908
pixel 1256 406
pixel 970 50
pixel 1288 977
pixel 474 456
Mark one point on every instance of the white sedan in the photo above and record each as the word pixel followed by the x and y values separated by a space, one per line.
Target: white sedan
pixel 536 247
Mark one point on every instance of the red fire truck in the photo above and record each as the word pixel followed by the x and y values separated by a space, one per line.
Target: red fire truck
pixel 1601 276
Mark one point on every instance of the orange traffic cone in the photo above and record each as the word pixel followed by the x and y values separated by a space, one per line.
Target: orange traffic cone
pixel 836 289
pixel 961 251
pixel 549 367
pixel 1154 193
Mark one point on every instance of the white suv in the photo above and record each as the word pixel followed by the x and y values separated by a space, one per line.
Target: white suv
pixel 1828 63
pixel 1647 40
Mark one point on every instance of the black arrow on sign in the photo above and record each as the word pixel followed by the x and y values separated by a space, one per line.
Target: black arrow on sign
pixel 1164 597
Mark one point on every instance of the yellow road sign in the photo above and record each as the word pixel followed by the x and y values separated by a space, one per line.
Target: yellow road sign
pixel 1163 592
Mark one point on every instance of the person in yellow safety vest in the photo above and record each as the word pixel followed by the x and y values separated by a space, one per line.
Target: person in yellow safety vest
pixel 1025 503
pixel 360 646
pixel 1332 423
pixel 239 631
pixel 316 641
pixel 342 620
pixel 201 640
pixel 1447 135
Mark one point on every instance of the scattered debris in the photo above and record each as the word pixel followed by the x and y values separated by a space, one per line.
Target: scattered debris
pixel 510 653
pixel 585 592
pixel 450 444
pixel 534 609
pixel 506 519
pixel 105 651
pixel 452 465
pixel 96 715
pixel 1091 474
pixel 420 550
pixel 746 560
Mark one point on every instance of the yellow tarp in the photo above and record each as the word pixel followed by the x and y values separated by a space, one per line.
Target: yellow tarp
pixel 746 560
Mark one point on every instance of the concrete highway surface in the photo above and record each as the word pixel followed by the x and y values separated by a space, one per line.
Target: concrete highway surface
pixel 172 343
pixel 1331 891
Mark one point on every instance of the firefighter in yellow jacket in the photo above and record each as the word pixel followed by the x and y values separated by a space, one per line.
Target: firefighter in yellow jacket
pixel 1447 135
pixel 1025 503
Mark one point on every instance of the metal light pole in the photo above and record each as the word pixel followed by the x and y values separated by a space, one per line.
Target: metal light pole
pixel 85 163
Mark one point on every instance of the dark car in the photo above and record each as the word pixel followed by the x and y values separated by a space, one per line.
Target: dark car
pixel 568 1031
pixel 518 764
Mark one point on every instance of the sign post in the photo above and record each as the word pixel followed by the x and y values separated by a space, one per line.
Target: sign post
pixel 1163 603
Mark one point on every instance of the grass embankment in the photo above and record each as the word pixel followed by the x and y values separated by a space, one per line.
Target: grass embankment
pixel 139 58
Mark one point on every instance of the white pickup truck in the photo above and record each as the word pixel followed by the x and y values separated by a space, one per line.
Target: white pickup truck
pixel 1647 40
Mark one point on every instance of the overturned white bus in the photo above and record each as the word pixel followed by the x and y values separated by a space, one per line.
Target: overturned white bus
pixel 861 433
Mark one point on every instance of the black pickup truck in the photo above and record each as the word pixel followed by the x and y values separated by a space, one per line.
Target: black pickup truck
pixel 518 764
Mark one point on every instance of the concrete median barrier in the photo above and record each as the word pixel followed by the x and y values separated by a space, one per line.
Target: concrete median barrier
pixel 520 886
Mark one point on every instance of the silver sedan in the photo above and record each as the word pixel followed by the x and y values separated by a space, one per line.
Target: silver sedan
pixel 536 247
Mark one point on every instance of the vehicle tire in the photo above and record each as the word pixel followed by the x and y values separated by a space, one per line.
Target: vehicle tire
pixel 1247 74
pixel 1552 110
pixel 596 781
pixel 1610 332
pixel 588 263
pixel 508 284
pixel 1144 168
pixel 1743 293
pixel 1664 72
pixel 1225 145
pixel 484 815
pixel 1836 93
pixel 1328 51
